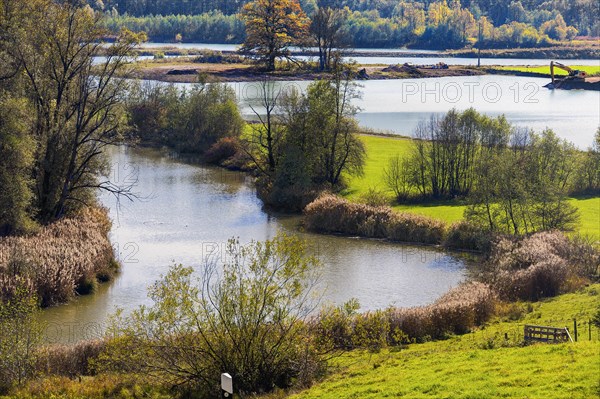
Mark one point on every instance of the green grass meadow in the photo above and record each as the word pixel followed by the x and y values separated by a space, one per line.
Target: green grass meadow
pixel 481 364
pixel 380 149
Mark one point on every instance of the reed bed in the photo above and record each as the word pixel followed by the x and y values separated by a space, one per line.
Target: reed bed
pixel 333 214
pixel 541 265
pixel 459 311
pixel 69 360
pixel 60 260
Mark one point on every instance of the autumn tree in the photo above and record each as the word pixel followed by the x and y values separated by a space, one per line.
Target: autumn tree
pixel 271 27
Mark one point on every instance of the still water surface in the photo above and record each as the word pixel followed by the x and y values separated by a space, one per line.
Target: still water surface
pixel 187 210
pixel 429 56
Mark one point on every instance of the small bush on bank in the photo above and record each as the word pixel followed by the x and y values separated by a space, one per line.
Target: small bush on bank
pixel 217 57
pixel 69 360
pixel 19 334
pixel 222 150
pixel 329 213
pixel 468 237
pixel 457 312
pixel 245 316
pixel 58 260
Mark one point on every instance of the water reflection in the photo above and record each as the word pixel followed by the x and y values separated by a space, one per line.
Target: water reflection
pixel 189 210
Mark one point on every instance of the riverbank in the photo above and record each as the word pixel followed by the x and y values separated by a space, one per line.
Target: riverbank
pixel 188 70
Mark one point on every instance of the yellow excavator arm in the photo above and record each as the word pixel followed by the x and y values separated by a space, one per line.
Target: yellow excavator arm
pixel 574 73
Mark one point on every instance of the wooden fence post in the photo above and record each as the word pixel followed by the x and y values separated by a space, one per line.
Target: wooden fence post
pixel 575 328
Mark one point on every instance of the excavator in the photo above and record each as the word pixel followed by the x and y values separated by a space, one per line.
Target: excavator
pixel 573 74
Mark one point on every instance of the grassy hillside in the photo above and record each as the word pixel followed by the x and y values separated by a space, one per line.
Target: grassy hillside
pixel 380 149
pixel 481 364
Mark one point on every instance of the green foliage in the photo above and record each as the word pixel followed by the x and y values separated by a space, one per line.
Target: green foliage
pixel 457 312
pixel 322 126
pixel 310 143
pixel 210 27
pixel 379 151
pixel 20 333
pixel 190 121
pixel 524 188
pixel 596 318
pixel 16 152
pixel 386 23
pixel 246 318
pixel 48 50
pixel 587 179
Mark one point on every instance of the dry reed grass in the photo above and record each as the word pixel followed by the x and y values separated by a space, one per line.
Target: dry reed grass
pixel 460 310
pixel 59 259
pixel 332 214
pixel 69 360
pixel 541 265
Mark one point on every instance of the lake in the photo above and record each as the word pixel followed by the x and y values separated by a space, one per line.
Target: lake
pixel 186 211
pixel 397 106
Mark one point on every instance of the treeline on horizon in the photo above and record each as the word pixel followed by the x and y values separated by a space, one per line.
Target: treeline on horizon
pixel 384 23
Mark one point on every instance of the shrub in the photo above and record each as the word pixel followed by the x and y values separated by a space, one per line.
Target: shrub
pixel 222 150
pixel 371 330
pixel 246 318
pixel 19 334
pixel 468 237
pixel 374 197
pixel 329 213
pixel 408 227
pixel 457 312
pixel 62 257
pixel 333 326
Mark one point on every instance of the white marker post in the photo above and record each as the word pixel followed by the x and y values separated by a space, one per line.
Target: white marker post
pixel 226 386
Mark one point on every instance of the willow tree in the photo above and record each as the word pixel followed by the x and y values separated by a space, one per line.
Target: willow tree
pixel 272 26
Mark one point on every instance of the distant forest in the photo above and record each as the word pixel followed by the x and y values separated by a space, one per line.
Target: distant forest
pixel 375 23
